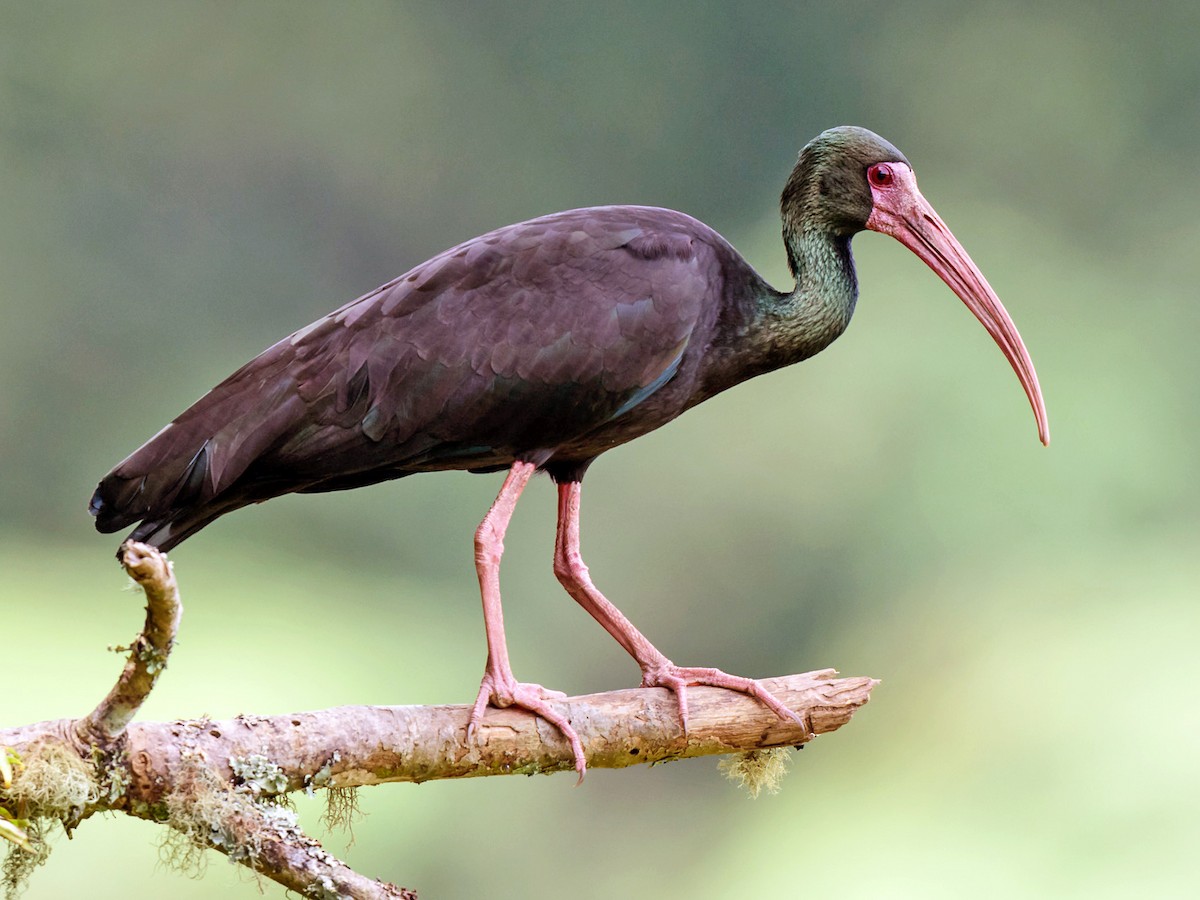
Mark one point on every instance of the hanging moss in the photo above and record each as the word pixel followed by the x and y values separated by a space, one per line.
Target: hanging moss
pixel 758 770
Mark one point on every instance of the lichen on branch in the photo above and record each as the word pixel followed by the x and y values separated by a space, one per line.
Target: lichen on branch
pixel 149 652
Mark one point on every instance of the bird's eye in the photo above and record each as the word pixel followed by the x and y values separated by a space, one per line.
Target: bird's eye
pixel 880 175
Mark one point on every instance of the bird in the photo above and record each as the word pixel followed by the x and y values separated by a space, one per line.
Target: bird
pixel 532 349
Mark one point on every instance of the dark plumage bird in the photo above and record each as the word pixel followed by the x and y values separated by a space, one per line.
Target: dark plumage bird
pixel 536 347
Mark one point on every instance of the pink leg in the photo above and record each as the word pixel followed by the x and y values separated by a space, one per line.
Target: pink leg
pixel 499 687
pixel 657 670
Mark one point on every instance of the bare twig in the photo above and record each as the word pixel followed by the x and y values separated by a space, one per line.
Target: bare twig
pixel 149 651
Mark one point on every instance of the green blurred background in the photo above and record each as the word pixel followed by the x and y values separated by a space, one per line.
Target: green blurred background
pixel 182 185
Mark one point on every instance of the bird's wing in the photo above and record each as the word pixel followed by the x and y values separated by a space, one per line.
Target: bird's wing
pixel 516 341
pixel 513 342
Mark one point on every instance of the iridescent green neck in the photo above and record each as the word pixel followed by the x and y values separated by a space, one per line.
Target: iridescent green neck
pixel 798 325
pixel 777 329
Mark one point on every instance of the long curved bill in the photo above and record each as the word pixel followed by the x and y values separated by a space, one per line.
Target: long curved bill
pixel 901 212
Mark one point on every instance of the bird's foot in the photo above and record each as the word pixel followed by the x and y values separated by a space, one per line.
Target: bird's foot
pixel 679 678
pixel 501 690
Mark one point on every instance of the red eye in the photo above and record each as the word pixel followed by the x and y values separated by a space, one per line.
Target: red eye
pixel 880 175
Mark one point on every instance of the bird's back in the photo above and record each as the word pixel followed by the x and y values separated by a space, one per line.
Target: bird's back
pixel 550 340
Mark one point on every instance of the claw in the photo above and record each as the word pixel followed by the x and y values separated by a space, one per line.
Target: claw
pixel 502 693
pixel 679 678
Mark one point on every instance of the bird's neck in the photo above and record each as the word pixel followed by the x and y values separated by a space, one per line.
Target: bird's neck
pixel 777 329
pixel 806 321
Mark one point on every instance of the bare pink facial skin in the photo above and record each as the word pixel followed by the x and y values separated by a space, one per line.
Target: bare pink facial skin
pixel 901 212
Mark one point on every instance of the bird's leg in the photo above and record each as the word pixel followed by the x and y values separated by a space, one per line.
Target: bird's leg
pixel 499 687
pixel 657 670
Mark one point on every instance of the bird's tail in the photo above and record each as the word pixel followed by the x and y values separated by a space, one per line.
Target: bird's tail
pixel 188 474
pixel 120 502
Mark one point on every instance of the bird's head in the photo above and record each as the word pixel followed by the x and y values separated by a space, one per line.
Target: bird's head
pixel 848 179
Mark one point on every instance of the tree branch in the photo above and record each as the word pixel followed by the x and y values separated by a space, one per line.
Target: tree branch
pixel 353 746
pixel 215 782
pixel 149 652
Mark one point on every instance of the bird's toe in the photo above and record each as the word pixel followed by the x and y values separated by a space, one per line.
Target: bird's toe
pixel 502 692
pixel 679 678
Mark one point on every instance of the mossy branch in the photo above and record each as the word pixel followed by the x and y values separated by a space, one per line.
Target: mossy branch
pixel 216 784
